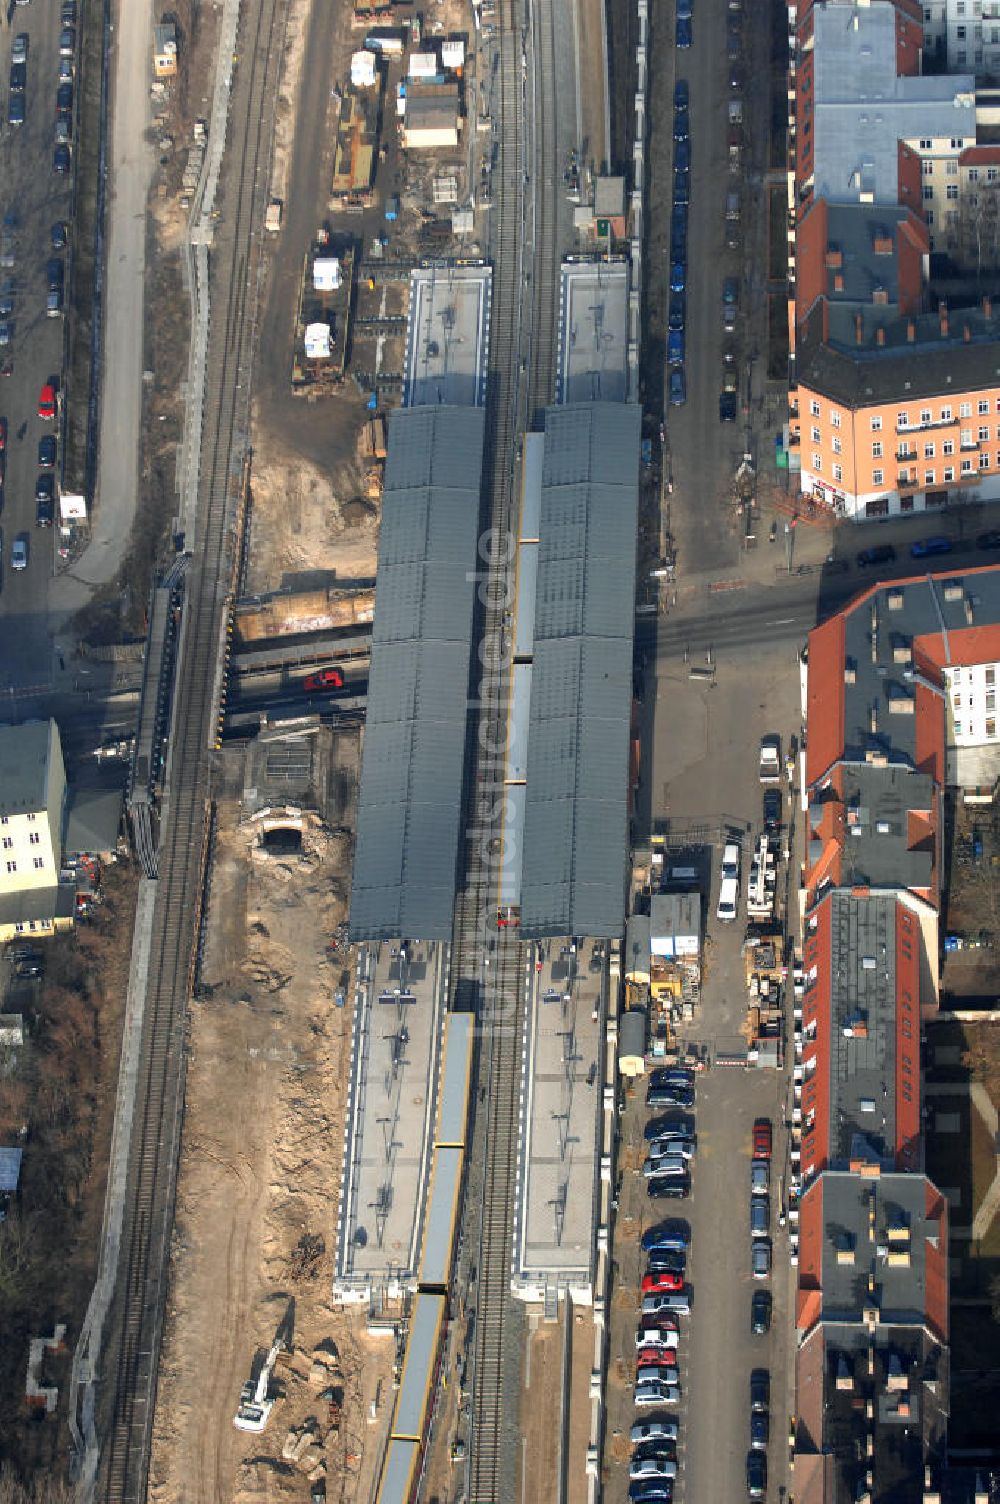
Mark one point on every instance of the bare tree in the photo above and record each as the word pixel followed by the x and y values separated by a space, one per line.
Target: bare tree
pixel 978 228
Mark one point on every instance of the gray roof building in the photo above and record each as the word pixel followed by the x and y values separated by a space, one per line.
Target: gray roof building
pixel 915 361
pixel 26 752
pixel 418 688
pixel 576 815
pixel 92 822
pixel 863 109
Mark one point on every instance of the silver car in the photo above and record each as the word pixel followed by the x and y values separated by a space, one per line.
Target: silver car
pixel 19 552
pixel 760 1258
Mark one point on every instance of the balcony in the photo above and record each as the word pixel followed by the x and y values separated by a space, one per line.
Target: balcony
pixel 907 481
pixel 903 455
pixel 927 427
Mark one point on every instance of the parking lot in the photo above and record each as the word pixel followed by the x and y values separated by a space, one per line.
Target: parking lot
pixel 702 779
pixel 36 197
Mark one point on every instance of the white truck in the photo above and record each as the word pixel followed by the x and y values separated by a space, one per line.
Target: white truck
pixel 770 759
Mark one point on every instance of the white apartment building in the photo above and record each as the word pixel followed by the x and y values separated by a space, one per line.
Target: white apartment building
pixel 964 36
pixel 32 803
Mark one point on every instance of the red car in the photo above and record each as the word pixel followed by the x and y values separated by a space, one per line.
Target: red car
pixel 47 401
pixel 326 678
pixel 661 1357
pixel 762 1138
pixel 662 1282
pixel 3 433
pixel 661 1319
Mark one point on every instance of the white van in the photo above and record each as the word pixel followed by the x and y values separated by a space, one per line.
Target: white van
pixel 729 898
pixel 731 861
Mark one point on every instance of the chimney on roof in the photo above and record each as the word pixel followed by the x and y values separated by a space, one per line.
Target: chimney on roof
pixel 967 333
pixel 859 329
pixel 874 718
pixel 987 306
pixel 880 335
pixel 911 331
pixel 943 316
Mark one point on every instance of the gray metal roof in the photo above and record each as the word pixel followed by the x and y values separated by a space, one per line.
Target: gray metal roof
pixel 900 1200
pixel 24 762
pixel 877 849
pixel 862 1084
pixel 863 109
pixel 632 1033
pixel 421 1351
pixel 398 1475
pixel 414 753
pixel 576 818
pixel 900 370
pixel 442 1213
pixel 10 1168
pixel 453 1114
pixel 93 821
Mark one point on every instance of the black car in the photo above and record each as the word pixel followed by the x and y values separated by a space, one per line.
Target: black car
pixel 18 77
pixel 64 99
pixel 675 318
pixel 670 1096
pixel 772 810
pixel 669 1128
pixel 61 158
pixel 882 553
pixel 8 293
pixel 47 451
pixel 27 964
pixel 760 1429
pixel 682 156
pixel 682 97
pixel 15 110
pixel 682 187
pixel 668 1187
pixel 59 235
pixel 727 407
pixel 665 1260
pixel 760 1312
pixel 672 1075
pixel 45 505
pixel 756 1475
pixel 989 540
pixel 55 272
pixel 760 1389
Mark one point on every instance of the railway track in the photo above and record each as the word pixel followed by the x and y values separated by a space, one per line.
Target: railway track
pixel 545 178
pixel 131 1356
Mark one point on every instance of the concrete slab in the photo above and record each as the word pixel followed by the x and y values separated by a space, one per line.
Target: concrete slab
pixel 394 1063
pixel 947 1122
pixel 448 336
pixel 593 332
pixel 554 1229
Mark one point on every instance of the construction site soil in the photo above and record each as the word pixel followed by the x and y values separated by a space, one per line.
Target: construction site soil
pixel 258 1185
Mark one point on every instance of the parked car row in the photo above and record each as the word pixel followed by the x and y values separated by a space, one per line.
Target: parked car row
pixel 679 233
pixel 760 1302
pixel 671 1144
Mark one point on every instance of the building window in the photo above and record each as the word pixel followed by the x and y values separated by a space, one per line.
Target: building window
pixel 948 447
pixel 991 727
pixel 960 33
pixel 957 142
pixel 3 818
pixel 928 169
pixel 966 467
pixel 31 818
pixel 902 420
pixel 928 193
pixel 835 419
pixel 946 415
pixel 992 173
pixel 925 415
pixel 838 447
pixel 876 423
pixel 965 438
pixel 814 408
pixel 928 451
pixel 928 477
pixel 965 410
pixel 34 839
pixel 973 174
pixel 984 462
pixel 989 675
pixel 958 728
pixel 877 450
pixel 929 216
pixel 949 473
pixel 925 141
pixel 956 701
pixel 39 861
pixel 983 435
pixel 818 463
pixel 838 473
pixel 815 434
pixel 877 477
pixel 7 843
pixel 984 407
pixel 951 191
pixel 991 699
pixel 11 866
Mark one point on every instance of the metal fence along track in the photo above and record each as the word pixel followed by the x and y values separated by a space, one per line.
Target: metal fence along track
pixel 131 1357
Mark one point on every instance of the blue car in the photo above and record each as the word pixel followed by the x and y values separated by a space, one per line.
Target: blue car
pixel 676 316
pixel 669 1239
pixel 678 277
pixel 678 397
pixel 681 95
pixel 682 156
pixel 675 347
pixel 683 37
pixel 925 547
pixel 684 9
pixel 682 188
